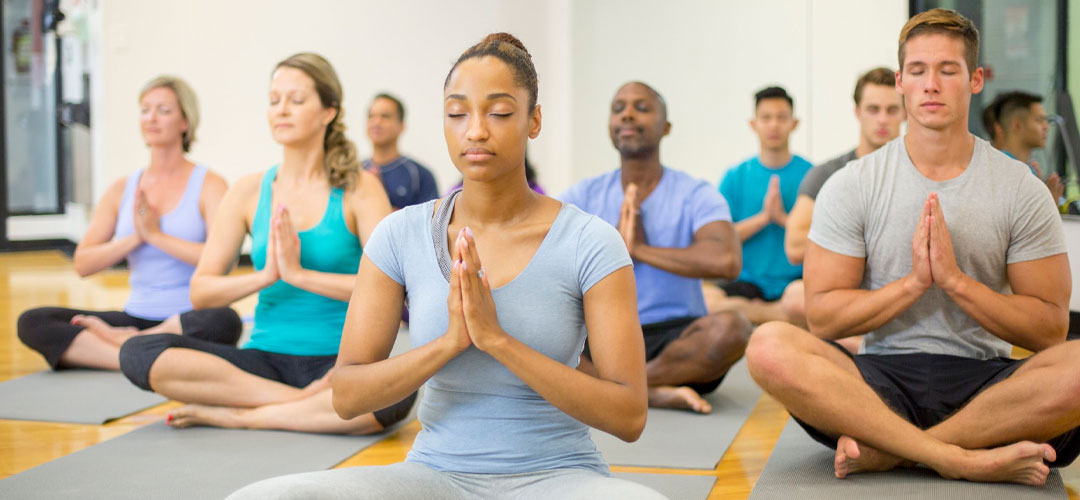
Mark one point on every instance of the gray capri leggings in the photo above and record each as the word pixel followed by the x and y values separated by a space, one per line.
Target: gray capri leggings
pixel 413 481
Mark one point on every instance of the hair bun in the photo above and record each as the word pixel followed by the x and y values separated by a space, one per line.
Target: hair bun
pixel 506 38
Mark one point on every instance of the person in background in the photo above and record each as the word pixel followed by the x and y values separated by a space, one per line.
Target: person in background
pixel 406 181
pixel 309 218
pixel 880 112
pixel 761 191
pixel 157 219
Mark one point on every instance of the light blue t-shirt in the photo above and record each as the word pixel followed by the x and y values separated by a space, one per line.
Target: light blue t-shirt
pixel 764 262
pixel 477 416
pixel 678 207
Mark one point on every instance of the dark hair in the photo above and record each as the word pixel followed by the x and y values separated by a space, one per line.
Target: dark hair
pixel 989 119
pixel 339 153
pixel 1010 103
pixel 395 100
pixel 773 93
pixel 876 76
pixel 508 49
pixel 944 22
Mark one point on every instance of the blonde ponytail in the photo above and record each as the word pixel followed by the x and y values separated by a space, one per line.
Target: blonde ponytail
pixel 340 159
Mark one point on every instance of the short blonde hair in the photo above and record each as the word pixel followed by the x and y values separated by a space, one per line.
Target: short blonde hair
pixel 189 105
pixel 944 22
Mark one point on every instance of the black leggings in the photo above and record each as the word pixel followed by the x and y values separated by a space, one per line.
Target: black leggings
pixel 48 330
pixel 138 355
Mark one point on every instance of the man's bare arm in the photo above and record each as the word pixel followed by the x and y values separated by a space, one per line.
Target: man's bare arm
pixel 715 253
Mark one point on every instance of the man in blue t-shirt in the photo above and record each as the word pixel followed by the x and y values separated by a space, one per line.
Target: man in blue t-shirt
pixel 761 191
pixel 678 230
pixel 406 181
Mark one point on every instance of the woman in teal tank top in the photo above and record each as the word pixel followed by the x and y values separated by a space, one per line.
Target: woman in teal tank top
pixel 308 218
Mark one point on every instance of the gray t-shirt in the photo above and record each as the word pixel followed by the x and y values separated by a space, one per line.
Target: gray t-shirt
pixel 816 177
pixel 477 416
pixel 997 214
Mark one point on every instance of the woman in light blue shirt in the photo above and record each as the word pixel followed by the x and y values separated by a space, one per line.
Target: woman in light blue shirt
pixel 503 286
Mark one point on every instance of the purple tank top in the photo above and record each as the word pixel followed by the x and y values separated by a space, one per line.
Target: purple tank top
pixel 160 282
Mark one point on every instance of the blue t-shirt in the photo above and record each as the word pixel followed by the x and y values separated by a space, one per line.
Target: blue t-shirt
pixel 477 416
pixel 764 262
pixel 406 181
pixel 678 207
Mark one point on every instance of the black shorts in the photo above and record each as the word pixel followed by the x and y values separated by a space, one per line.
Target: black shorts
pixel 139 353
pixel 657 338
pixel 48 330
pixel 659 335
pixel 743 289
pixel 926 389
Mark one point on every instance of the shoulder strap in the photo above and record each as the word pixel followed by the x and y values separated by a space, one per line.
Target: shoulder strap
pixel 440 223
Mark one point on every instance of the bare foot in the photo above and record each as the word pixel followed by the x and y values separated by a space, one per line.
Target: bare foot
pixel 683 398
pixel 1021 463
pixel 98 326
pixel 853 458
pixel 203 415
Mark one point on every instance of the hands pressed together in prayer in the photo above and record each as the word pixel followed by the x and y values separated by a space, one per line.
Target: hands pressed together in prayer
pixel 472 310
pixel 773 206
pixel 282 249
pixel 630 221
pixel 146 218
pixel 933 260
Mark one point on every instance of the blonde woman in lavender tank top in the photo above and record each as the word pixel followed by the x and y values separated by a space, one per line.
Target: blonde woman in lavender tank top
pixel 157 219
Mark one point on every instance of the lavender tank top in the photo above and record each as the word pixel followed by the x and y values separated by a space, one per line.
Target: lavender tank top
pixel 160 282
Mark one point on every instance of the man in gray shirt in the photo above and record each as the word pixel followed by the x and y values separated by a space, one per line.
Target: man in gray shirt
pixel 880 111
pixel 905 248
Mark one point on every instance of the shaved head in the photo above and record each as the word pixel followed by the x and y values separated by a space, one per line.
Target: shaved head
pixel 659 98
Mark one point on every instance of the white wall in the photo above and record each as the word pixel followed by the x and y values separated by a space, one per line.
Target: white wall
pixel 227 50
pixel 706 57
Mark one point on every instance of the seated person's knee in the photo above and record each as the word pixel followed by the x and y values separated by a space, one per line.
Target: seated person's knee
pixel 767 340
pixel 220 325
pixel 793 302
pixel 139 353
pixel 31 326
pixel 728 333
pixel 396 412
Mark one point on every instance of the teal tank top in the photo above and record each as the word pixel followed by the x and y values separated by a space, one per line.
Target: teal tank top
pixel 289 320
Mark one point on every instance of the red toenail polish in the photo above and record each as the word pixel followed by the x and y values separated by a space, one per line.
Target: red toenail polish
pixel 168 418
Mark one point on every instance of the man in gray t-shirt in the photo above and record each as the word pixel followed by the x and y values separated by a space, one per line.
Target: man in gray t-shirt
pixel 880 111
pixel 944 253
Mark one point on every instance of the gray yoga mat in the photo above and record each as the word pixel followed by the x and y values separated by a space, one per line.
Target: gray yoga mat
pixel 163 463
pixel 674 486
pixel 89 396
pixel 680 439
pixel 74 396
pixel 800 467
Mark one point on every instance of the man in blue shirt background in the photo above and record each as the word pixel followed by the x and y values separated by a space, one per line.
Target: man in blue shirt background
pixel 406 181
pixel 678 230
pixel 760 192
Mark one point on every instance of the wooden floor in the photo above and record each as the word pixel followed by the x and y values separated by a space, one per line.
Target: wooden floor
pixel 46 278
